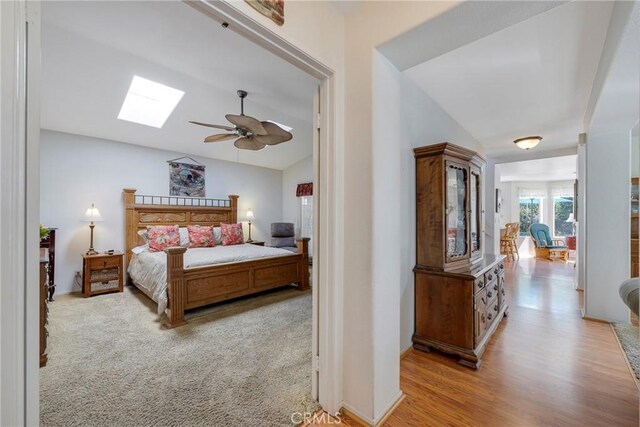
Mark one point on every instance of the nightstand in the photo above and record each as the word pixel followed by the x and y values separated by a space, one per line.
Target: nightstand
pixel 102 273
pixel 257 243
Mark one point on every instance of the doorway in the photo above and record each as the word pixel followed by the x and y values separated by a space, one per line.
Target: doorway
pixel 326 247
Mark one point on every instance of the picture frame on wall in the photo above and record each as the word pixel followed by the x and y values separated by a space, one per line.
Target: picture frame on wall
pixel 498 201
pixel 272 9
pixel 186 179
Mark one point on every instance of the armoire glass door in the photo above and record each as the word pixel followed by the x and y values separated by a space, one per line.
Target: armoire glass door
pixel 475 213
pixel 456 215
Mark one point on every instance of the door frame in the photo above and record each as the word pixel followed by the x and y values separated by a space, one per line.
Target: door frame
pixel 20 194
pixel 20 211
pixel 328 213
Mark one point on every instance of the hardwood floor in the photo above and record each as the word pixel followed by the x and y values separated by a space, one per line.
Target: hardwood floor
pixel 545 366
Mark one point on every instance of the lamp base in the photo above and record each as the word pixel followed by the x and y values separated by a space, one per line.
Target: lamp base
pixel 92 252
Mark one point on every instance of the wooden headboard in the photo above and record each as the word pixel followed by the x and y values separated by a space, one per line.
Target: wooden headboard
pixel 143 210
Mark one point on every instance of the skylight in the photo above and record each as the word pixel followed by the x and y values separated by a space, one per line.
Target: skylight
pixel 149 103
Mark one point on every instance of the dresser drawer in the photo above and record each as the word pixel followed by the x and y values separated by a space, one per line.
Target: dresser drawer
pixel 478 284
pixel 111 285
pixel 493 309
pixel 492 290
pixel 491 275
pixel 107 262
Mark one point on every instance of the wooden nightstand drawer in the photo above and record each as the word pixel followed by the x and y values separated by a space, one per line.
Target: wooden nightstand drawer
pixel 102 273
pixel 105 262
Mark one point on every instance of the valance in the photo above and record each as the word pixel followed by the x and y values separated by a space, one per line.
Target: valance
pixel 562 190
pixel 305 189
pixel 532 193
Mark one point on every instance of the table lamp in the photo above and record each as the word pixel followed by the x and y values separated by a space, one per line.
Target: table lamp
pixel 92 215
pixel 249 217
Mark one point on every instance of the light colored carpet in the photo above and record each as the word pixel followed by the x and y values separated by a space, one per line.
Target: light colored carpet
pixel 628 336
pixel 245 363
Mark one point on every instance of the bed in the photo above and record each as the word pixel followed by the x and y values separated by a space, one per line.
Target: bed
pixel 181 279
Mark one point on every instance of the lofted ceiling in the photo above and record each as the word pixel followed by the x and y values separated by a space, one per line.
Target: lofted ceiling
pixel 92 50
pixel 550 169
pixel 532 78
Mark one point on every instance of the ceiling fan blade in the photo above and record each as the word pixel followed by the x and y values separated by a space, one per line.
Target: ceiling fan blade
pixel 275 130
pixel 229 128
pixel 247 122
pixel 220 137
pixel 248 144
pixel 270 139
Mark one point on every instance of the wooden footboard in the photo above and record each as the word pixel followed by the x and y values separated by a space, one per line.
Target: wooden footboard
pixel 189 288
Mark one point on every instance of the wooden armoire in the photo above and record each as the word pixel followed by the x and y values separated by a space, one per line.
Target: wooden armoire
pixel 460 295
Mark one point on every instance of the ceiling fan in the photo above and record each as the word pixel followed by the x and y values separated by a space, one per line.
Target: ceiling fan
pixel 250 133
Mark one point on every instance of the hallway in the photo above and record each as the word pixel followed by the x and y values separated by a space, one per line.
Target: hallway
pixel 544 366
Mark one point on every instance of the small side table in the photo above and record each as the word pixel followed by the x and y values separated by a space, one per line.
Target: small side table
pixel 102 273
pixel 256 242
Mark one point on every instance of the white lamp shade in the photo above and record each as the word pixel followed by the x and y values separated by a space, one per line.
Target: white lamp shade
pixel 249 215
pixel 92 214
pixel 570 219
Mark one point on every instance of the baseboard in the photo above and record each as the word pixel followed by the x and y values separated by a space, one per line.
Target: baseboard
pixel 367 422
pixel 389 409
pixel 626 359
pixel 406 352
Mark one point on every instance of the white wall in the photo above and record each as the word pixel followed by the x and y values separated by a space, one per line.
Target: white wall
pixel 635 156
pixel 78 170
pixel 298 173
pixel 607 225
pixel 405 118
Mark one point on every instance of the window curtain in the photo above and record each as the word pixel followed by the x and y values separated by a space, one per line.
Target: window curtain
pixel 562 190
pixel 305 189
pixel 532 193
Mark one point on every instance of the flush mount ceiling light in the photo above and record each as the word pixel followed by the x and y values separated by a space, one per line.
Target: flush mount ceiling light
pixel 149 103
pixel 528 142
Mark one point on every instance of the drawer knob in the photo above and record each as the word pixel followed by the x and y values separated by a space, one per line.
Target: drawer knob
pixel 495 307
pixel 490 277
pixel 104 263
pixel 501 266
pixel 495 287
pixel 480 284
pixel 489 294
pixel 489 316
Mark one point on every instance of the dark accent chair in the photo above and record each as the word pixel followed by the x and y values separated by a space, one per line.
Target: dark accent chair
pixel 283 236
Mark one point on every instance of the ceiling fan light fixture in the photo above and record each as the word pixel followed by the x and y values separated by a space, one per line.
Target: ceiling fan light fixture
pixel 528 142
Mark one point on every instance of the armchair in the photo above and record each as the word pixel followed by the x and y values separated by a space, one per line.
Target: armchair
pixel 545 245
pixel 283 236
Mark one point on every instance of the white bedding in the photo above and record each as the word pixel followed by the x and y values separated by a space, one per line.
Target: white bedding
pixel 148 270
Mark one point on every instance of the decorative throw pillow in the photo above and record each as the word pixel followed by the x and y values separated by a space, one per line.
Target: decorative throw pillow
pixel 162 236
pixel 184 237
pixel 144 235
pixel 231 234
pixel 217 235
pixel 200 236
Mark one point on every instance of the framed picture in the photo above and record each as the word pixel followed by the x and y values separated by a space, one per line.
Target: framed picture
pixel 272 9
pixel 186 180
pixel 498 201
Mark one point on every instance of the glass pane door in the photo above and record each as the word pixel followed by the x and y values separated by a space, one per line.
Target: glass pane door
pixel 456 212
pixel 475 211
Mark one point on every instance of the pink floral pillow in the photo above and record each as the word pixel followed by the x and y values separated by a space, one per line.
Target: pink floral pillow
pixel 231 234
pixel 200 236
pixel 162 236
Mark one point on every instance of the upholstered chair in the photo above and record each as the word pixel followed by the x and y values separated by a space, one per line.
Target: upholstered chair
pixel 283 236
pixel 545 245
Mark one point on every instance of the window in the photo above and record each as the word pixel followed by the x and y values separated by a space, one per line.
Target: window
pixel 530 213
pixel 562 207
pixel 306 216
pixel 149 103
